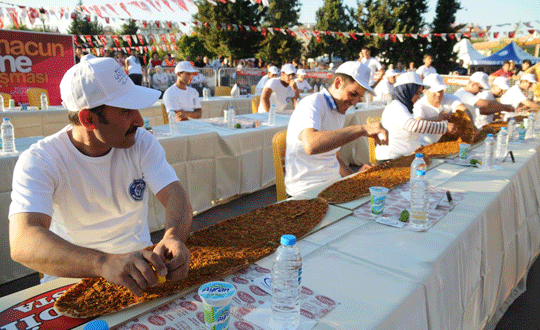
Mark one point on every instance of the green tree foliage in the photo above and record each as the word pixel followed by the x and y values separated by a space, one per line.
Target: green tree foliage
pixel 443 51
pixel 228 41
pixel 280 48
pixel 130 28
pixel 192 46
pixel 397 17
pixel 80 26
pixel 334 16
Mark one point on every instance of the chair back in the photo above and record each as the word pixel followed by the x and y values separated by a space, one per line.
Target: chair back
pixel 164 114
pixel 6 97
pixel 255 103
pixel 34 96
pixel 253 89
pixel 371 141
pixel 222 91
pixel 279 143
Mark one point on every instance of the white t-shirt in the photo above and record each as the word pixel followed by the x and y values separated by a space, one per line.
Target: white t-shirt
pixel 260 85
pixel 187 99
pixel 422 109
pixel 302 85
pixel 514 96
pixel 160 81
pixel 382 88
pixel 303 171
pixel 400 141
pixel 469 100
pixel 480 119
pixel 374 65
pixel 133 66
pixel 424 71
pixel 281 95
pixel 95 202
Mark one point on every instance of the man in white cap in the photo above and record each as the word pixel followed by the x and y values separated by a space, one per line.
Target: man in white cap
pixel 469 97
pixel 435 105
pixel 301 82
pixel 181 98
pixel 280 91
pixel 80 199
pixel 515 96
pixel 373 64
pixel 160 79
pixel 426 69
pixel 273 72
pixel 315 132
pixel 385 88
pixel 499 86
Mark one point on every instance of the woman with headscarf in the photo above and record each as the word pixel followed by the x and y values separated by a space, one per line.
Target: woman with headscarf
pixel 403 130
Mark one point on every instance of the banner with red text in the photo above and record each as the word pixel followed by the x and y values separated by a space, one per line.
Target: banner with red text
pixel 33 59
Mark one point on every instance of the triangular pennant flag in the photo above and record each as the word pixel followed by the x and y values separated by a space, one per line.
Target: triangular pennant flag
pixel 123 6
pixel 317 35
pixel 212 2
pixel 171 36
pixel 400 37
pixel 169 24
pixel 103 40
pixel 97 10
pixel 263 32
pixel 116 41
pixel 144 6
pixel 488 28
pixel 414 35
pixel 134 38
pixel 443 36
pixel 86 10
pixel 145 49
pixel 353 35
pixel 182 4
pixel 428 36
pixel 531 31
pixel 495 35
pixel 75 41
pixel 527 24
pixel 393 37
pixel 458 36
pixel 511 34
pixel 157 24
pixel 163 38
pixel 152 4
pixel 153 48
pixel 167 4
pixel 111 8
pixel 89 39
pixel 141 40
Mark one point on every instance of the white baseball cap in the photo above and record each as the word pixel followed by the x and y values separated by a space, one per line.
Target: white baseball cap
pixel 184 66
pixel 529 77
pixel 481 78
pixel 391 73
pixel 435 82
pixel 288 68
pixel 102 81
pixel 502 83
pixel 359 72
pixel 409 78
pixel 301 72
pixel 331 65
pixel 273 69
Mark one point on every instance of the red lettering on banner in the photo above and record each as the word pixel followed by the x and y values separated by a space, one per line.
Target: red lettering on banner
pixel 456 81
pixel 320 74
pixel 251 72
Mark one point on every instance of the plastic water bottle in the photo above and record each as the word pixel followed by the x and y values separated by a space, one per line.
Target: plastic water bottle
pixel 419 201
pixel 96 325
pixel 44 102
pixel 286 285
pixel 315 88
pixel 511 129
pixel 272 115
pixel 205 93
pixel 231 120
pixel 417 164
pixel 8 137
pixel 502 143
pixel 2 103
pixel 489 149
pixel 530 127
pixel 172 122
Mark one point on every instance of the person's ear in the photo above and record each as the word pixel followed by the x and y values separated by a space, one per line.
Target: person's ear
pixel 87 119
pixel 337 82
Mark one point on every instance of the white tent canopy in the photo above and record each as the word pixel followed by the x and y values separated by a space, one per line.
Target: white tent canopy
pixel 466 52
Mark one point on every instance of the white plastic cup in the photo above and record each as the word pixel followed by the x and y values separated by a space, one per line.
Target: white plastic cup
pixel 464 150
pixel 146 122
pixel 216 298
pixel 378 198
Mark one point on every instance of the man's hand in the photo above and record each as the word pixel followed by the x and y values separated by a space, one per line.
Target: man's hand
pixel 377 132
pixel 452 128
pixel 133 270
pixel 365 167
pixel 181 115
pixel 172 248
pixel 443 115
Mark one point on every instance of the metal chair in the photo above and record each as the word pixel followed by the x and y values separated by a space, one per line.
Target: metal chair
pixel 164 114
pixel 255 103
pixel 222 91
pixel 34 96
pixel 253 89
pixel 279 143
pixel 371 141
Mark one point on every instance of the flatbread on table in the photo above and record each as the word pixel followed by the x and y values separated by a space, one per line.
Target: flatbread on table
pixel 465 128
pixel 215 252
pixel 388 174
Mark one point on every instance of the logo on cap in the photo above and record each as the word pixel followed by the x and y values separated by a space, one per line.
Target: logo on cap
pixel 120 75
pixel 136 189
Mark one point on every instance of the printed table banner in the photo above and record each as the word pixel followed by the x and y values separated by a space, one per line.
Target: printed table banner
pixel 33 59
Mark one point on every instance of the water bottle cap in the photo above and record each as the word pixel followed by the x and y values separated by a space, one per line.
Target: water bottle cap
pixel 420 172
pixel 231 107
pixel 490 135
pixel 288 240
pixel 419 155
pixel 503 128
pixel 6 119
pixel 96 325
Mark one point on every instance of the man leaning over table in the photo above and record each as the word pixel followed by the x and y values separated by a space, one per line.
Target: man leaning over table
pixel 470 98
pixel 515 96
pixel 316 132
pixel 499 86
pixel 280 91
pixel 181 98
pixel 80 197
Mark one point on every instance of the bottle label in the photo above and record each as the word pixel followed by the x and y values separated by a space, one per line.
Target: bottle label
pixel 300 276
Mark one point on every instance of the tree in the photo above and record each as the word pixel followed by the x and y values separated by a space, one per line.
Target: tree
pixel 278 47
pixel 223 32
pixel 130 28
pixel 81 26
pixel 334 16
pixel 192 46
pixel 394 17
pixel 443 51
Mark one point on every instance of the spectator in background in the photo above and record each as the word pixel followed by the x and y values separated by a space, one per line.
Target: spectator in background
pixel 295 63
pixel 106 53
pixel 206 62
pixel 273 72
pixel 526 64
pixel 515 96
pixel 331 67
pixel 155 61
pixel 119 57
pixel 385 89
pixel 301 82
pixel 279 91
pixel 412 67
pixel 459 69
pixel 160 80
pixel 399 68
pixel 78 54
pixel 181 98
pixel 134 70
pixel 373 64
pixel 503 72
pixel 199 63
pixel 169 61
pixel 426 69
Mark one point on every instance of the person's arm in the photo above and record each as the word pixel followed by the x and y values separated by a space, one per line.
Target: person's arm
pixel 35 246
pixel 184 115
pixel 530 104
pixel 316 142
pixel 265 98
pixel 344 170
pixel 178 221
pixel 488 107
pixel 425 126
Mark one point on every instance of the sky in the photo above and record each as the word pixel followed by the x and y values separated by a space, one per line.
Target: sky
pixel 481 12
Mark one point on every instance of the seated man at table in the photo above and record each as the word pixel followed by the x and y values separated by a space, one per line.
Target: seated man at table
pixel 273 72
pixel 499 86
pixel 385 88
pixel 160 79
pixel 435 105
pixel 80 199
pixel 470 98
pixel 181 98
pixel 515 96
pixel 301 82
pixel 280 91
pixel 316 132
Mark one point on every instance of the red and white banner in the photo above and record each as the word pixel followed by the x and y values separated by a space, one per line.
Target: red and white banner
pixel 31 59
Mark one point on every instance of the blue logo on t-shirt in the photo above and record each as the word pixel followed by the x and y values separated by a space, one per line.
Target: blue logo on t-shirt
pixel 136 189
pixel 288 99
